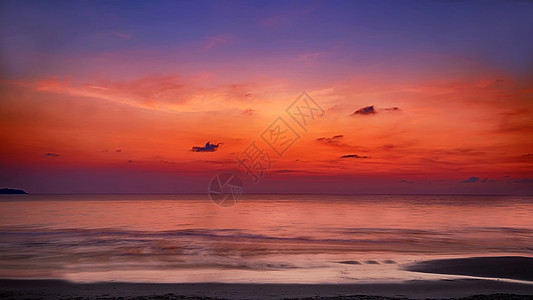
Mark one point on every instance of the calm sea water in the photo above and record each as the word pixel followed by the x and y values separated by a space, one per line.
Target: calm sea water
pixel 264 238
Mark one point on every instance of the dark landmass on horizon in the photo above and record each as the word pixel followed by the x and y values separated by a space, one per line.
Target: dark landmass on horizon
pixel 12 191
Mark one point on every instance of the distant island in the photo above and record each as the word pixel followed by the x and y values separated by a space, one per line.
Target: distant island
pixel 11 191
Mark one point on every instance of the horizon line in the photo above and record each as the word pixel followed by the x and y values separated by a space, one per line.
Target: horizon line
pixel 274 193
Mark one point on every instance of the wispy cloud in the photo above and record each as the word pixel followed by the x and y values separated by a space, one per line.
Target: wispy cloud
pixel 524 180
pixel 472 179
pixel 334 140
pixel 51 154
pixel 391 109
pixel 219 162
pixel 337 141
pixel 122 35
pixel 354 156
pixel 169 93
pixel 371 110
pixel 459 152
pixel 283 171
pixel 213 41
pixel 515 121
pixel 248 112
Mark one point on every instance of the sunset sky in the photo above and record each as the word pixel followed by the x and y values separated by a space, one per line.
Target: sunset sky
pixel 418 96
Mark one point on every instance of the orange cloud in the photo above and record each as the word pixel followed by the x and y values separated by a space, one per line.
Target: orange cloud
pixel 445 128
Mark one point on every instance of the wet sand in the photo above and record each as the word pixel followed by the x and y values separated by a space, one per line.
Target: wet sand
pixel 520 268
pixel 57 289
pixel 509 267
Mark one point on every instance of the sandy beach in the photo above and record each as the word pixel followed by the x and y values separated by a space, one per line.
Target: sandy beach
pixel 503 267
pixel 443 289
pixel 518 268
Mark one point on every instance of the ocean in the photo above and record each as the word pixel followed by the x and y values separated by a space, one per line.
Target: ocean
pixel 262 239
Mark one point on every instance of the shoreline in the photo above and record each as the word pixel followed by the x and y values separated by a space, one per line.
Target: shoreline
pixel 417 289
pixel 512 267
